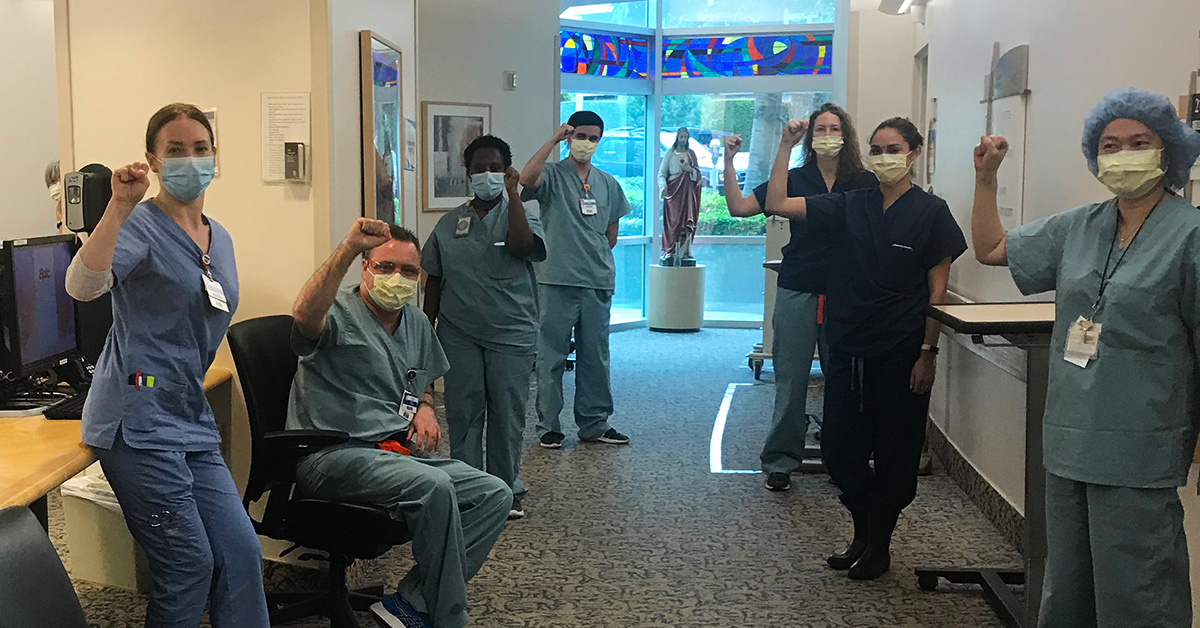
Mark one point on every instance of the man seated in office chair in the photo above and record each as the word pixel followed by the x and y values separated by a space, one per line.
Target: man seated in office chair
pixel 368 359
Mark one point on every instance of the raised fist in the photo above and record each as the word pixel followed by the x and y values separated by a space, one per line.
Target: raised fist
pixel 129 184
pixel 366 234
pixel 733 143
pixel 989 153
pixel 793 132
pixel 511 178
pixel 563 133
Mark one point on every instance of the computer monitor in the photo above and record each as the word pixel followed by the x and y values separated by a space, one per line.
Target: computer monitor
pixel 38 324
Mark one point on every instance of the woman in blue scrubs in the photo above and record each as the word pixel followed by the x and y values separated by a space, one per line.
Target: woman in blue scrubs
pixel 483 295
pixel 832 163
pixel 892 247
pixel 174 289
pixel 1122 402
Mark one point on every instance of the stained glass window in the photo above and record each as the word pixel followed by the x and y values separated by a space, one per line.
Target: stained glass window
pixel 603 54
pixel 759 55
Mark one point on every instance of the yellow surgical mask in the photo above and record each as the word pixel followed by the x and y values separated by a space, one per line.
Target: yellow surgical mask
pixel 889 168
pixel 1131 173
pixel 392 292
pixel 582 150
pixel 828 145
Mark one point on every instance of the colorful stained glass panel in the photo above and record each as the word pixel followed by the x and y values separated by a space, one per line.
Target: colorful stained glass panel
pixel 759 55
pixel 604 54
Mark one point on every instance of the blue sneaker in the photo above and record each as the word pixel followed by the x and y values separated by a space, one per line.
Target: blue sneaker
pixel 393 612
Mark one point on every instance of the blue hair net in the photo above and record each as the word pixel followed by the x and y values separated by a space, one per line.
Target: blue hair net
pixel 1181 144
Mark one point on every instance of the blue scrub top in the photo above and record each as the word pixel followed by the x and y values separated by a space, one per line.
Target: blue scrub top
pixel 577 251
pixel 1130 417
pixel 488 294
pixel 353 378
pixel 879 276
pixel 803 268
pixel 164 327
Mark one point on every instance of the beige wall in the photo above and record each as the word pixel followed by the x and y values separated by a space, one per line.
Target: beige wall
pixel 489 38
pixel 29 132
pixel 128 58
pixel 880 83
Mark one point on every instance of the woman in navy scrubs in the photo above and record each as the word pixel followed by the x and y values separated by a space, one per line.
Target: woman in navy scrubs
pixel 832 163
pixel 892 249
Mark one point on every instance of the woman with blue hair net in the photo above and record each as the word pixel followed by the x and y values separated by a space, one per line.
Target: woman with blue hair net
pixel 1122 404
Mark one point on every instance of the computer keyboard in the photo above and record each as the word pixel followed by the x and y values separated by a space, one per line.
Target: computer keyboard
pixel 69 408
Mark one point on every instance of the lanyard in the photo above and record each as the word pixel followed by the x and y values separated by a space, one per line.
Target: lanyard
pixel 1106 276
pixel 205 263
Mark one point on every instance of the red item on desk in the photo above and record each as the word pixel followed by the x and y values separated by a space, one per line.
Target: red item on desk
pixel 820 309
pixel 394 446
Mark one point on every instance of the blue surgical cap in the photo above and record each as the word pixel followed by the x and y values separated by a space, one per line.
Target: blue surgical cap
pixel 1181 144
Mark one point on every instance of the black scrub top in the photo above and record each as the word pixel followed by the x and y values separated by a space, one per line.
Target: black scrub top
pixel 805 258
pixel 878 277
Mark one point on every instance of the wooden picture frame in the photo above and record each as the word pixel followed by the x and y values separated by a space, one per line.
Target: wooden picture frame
pixel 446 130
pixel 383 133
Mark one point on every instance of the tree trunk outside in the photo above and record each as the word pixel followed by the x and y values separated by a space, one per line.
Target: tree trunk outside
pixel 770 114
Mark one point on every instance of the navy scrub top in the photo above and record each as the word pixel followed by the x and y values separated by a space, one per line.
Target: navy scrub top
pixel 163 327
pixel 805 257
pixel 879 273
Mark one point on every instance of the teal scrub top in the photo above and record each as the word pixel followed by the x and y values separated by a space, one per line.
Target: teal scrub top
pixel 577 251
pixel 488 294
pixel 163 328
pixel 353 378
pixel 1129 418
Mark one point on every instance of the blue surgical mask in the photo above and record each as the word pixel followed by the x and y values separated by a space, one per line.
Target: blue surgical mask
pixel 487 185
pixel 186 178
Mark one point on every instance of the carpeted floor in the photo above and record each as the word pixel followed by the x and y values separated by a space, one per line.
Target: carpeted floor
pixel 645 535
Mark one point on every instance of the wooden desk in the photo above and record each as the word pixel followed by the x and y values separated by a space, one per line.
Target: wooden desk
pixel 36 455
pixel 1028 326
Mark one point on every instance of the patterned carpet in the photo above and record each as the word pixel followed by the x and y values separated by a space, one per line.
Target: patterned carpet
pixel 645 535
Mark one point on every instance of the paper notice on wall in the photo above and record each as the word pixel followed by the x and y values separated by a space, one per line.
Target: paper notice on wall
pixel 286 118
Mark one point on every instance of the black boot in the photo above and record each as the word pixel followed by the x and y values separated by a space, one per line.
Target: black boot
pixel 846 558
pixel 877 559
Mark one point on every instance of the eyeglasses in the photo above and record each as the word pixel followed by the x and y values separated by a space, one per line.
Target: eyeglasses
pixel 389 268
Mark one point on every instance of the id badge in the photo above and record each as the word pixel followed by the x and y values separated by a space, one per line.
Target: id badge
pixel 587 206
pixel 463 227
pixel 408 406
pixel 216 294
pixel 1083 342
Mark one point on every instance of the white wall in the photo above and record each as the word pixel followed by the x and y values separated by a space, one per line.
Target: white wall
pixel 880 83
pixel 29 133
pixel 464 48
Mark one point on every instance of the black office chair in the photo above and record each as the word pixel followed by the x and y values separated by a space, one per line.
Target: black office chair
pixel 266 366
pixel 35 591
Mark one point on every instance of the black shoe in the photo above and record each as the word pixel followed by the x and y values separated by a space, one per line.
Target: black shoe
pixel 613 437
pixel 551 440
pixel 517 510
pixel 877 559
pixel 779 481
pixel 846 558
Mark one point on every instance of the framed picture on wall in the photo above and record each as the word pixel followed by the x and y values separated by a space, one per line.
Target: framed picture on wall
pixel 448 129
pixel 382 129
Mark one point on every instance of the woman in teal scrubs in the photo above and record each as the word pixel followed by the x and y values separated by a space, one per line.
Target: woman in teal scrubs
pixel 1122 403
pixel 483 295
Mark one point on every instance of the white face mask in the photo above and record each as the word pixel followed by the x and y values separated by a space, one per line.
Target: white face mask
pixel 889 168
pixel 828 145
pixel 56 191
pixel 582 150
pixel 392 292
pixel 487 185
pixel 1131 173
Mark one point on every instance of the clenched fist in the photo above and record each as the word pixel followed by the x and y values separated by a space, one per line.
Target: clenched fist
pixel 366 234
pixel 794 132
pixel 989 153
pixel 129 185
pixel 733 143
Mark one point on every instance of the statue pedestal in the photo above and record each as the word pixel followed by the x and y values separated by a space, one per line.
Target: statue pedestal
pixel 675 298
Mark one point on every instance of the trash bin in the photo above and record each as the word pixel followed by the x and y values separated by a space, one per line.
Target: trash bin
pixel 102 550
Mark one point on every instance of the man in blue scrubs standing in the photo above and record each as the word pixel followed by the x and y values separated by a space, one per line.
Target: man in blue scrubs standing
pixel 368 359
pixel 580 209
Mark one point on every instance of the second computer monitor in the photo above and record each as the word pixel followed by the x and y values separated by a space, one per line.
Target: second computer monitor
pixel 37 317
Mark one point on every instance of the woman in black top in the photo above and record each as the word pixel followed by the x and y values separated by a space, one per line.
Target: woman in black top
pixel 832 163
pixel 892 247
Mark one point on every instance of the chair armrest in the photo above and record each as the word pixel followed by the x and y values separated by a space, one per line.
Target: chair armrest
pixel 286 447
